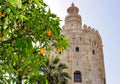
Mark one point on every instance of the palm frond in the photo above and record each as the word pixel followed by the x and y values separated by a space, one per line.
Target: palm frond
pixel 62 66
pixel 55 60
pixel 54 71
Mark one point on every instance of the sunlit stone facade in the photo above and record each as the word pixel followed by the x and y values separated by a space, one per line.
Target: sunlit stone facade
pixel 85 55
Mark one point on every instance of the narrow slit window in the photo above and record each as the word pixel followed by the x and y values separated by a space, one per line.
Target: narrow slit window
pixel 93 52
pixel 95 43
pixel 77 63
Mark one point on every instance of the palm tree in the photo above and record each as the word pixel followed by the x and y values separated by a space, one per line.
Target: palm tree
pixel 3 80
pixel 54 71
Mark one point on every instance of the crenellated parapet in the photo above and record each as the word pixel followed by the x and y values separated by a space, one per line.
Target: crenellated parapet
pixel 89 29
pixel 93 35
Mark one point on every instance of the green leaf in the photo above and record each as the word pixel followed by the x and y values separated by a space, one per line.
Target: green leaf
pixel 13 9
pixel 8 10
pixel 37 2
pixel 16 3
pixel 6 21
pixel 19 3
pixel 12 2
pixel 1 1
pixel 20 44
pixel 23 17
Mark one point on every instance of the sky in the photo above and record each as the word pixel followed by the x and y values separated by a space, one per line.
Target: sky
pixel 104 16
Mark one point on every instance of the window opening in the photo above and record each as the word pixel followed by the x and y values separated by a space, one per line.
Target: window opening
pixel 77 49
pixel 93 52
pixel 77 76
pixel 77 63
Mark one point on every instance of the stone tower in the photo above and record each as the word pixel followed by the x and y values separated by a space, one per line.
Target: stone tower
pixel 85 55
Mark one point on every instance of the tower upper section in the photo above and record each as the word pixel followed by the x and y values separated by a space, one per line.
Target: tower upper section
pixel 73 18
pixel 73 9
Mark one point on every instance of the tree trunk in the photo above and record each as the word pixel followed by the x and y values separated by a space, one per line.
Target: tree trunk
pixel 19 79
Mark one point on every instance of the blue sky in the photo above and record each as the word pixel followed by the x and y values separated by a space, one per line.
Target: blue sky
pixel 104 16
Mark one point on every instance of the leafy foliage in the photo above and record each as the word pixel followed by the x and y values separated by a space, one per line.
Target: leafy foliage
pixel 54 71
pixel 23 32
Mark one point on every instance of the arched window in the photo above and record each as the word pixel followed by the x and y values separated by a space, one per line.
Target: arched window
pixel 77 76
pixel 77 49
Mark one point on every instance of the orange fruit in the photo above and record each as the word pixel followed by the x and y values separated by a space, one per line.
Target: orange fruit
pixel 24 28
pixel 59 49
pixel 49 33
pixel 1 15
pixel 1 35
pixel 42 51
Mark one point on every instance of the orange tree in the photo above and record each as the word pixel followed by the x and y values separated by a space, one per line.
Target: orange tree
pixel 27 34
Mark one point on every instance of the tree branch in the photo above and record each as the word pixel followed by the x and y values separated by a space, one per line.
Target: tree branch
pixel 10 40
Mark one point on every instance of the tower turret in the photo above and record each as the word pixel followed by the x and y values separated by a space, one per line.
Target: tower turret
pixel 73 9
pixel 73 18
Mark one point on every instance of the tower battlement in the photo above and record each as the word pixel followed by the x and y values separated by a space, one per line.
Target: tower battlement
pixel 88 28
